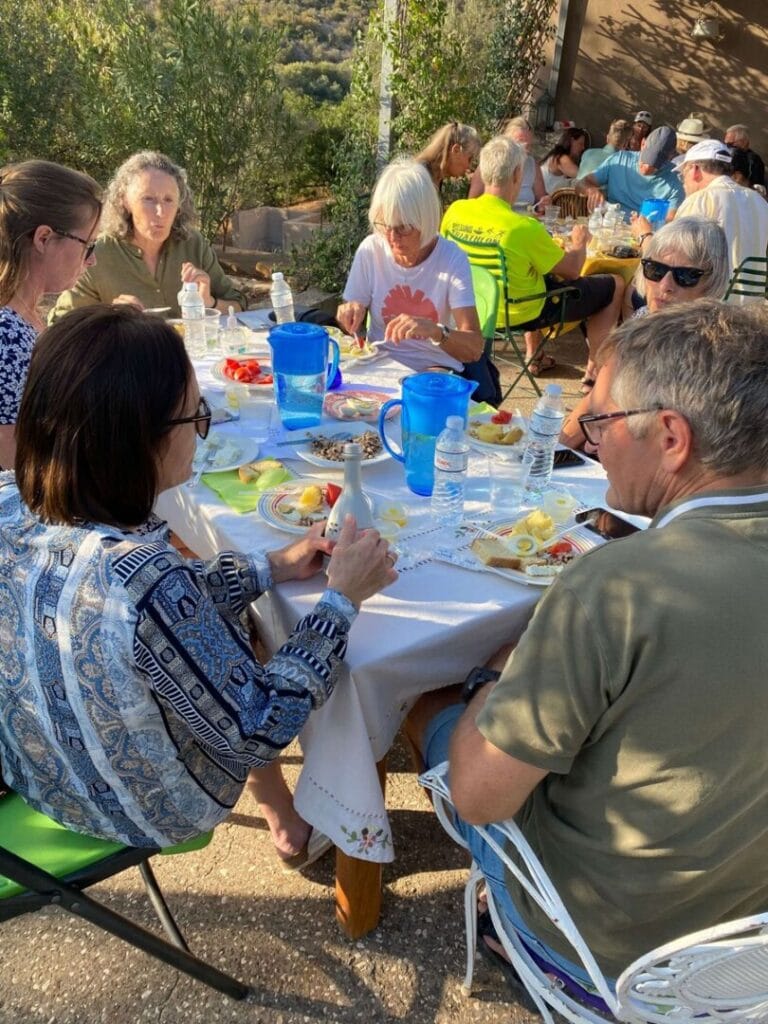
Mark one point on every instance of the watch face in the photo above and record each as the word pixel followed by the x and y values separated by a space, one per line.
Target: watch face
pixel 476 679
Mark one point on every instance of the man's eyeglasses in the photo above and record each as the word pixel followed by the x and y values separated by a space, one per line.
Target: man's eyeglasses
pixel 593 433
pixel 89 246
pixel 201 419
pixel 398 230
pixel 684 277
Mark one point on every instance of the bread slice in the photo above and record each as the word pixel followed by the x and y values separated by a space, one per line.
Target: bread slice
pixel 252 470
pixel 496 555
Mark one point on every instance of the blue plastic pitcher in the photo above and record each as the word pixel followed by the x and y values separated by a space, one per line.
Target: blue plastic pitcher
pixel 655 211
pixel 302 372
pixel 428 400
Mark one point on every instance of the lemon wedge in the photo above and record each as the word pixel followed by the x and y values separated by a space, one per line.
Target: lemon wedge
pixel 395 514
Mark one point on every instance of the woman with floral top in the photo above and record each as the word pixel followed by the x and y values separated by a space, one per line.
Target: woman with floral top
pixel 133 707
pixel 49 215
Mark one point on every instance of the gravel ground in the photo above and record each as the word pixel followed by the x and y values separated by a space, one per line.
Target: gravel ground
pixel 276 931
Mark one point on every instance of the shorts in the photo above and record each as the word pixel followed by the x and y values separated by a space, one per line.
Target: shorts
pixel 595 293
pixel 437 739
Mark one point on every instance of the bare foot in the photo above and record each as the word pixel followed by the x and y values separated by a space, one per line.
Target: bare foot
pixel 287 828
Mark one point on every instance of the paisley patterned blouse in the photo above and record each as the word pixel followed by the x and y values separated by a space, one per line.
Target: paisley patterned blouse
pixel 131 704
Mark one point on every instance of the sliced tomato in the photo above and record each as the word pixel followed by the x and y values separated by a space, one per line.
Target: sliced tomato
pixel 252 364
pixel 562 547
pixel 502 416
pixel 265 378
pixel 332 492
pixel 242 374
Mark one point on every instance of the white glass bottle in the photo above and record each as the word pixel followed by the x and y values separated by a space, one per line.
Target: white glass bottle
pixel 352 500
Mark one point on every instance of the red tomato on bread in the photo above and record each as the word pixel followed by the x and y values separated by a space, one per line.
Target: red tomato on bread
pixel 332 492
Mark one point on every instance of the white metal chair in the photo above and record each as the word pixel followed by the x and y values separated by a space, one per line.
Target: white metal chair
pixel 715 976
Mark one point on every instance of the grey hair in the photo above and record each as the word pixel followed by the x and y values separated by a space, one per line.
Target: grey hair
pixel 741 131
pixel 618 133
pixel 405 194
pixel 708 361
pixel 116 221
pixel 703 244
pixel 500 159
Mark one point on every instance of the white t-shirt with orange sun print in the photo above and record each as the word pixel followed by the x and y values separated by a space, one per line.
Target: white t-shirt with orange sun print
pixel 432 289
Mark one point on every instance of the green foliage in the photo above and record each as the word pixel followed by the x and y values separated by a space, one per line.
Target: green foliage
pixel 88 82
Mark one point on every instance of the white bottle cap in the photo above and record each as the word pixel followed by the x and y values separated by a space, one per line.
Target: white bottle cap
pixel 455 423
pixel 190 286
pixel 278 276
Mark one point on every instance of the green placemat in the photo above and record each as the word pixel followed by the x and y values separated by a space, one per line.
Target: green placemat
pixel 480 408
pixel 240 496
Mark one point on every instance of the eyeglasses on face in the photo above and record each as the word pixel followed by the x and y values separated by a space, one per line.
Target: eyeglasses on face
pixel 398 230
pixel 201 419
pixel 684 277
pixel 592 427
pixel 89 246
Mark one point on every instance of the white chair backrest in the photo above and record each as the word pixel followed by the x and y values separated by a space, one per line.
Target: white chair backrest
pixel 715 976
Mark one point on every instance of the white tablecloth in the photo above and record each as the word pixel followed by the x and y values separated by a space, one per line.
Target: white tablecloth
pixel 425 631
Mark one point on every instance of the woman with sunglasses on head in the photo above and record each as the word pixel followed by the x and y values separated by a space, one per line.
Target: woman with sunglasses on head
pixel 415 285
pixel 49 216
pixel 149 245
pixel 685 260
pixel 452 152
pixel 133 706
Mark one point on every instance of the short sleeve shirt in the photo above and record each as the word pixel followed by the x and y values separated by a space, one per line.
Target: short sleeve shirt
pixel 441 283
pixel 639 686
pixel 16 340
pixel 530 252
pixel 624 183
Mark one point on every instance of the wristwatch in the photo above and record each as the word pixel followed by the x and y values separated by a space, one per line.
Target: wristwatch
pixel 444 332
pixel 477 678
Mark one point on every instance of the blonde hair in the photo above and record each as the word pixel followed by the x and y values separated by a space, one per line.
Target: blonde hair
pixel 117 221
pixel 35 193
pixel 435 154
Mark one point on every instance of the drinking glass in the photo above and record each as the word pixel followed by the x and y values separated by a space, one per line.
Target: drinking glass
pixel 508 477
pixel 551 215
pixel 212 323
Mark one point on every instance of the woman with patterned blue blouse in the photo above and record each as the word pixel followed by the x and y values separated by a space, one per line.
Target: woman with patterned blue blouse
pixel 48 217
pixel 132 704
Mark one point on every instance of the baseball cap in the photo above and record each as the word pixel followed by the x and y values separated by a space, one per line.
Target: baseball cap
pixel 644 116
pixel 692 129
pixel 659 146
pixel 708 149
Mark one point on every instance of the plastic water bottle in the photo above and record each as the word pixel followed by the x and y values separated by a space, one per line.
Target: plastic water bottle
pixel 282 299
pixel 451 457
pixel 543 431
pixel 193 315
pixel 594 226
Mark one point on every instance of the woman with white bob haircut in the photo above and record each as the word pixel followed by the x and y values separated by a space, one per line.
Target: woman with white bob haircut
pixel 416 285
pixel 685 260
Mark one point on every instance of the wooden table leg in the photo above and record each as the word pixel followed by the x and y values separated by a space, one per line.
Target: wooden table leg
pixel 358 886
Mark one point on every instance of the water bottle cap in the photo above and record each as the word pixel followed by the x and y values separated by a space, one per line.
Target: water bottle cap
pixel 455 423
pixel 278 276
pixel 189 286
pixel 555 390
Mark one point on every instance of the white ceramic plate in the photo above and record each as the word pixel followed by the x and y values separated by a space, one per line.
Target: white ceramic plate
pixel 217 372
pixel 348 432
pixel 581 540
pixel 497 449
pixel 274 506
pixel 232 453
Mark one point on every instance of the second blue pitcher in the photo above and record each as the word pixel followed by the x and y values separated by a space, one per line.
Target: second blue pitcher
pixel 428 399
pixel 302 372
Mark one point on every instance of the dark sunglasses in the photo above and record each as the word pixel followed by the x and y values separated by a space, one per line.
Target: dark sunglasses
pixel 89 246
pixel 684 277
pixel 201 419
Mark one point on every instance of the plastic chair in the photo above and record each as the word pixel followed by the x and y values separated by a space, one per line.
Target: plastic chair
pixel 43 863
pixel 712 976
pixel 490 256
pixel 749 278
pixel 571 202
pixel 487 303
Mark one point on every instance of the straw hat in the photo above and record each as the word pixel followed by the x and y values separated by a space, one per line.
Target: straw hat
pixel 692 129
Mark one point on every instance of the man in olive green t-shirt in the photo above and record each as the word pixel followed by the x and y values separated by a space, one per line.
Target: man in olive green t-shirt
pixel 626 731
pixel 534 263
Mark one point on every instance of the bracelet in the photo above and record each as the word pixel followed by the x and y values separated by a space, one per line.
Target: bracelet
pixel 642 238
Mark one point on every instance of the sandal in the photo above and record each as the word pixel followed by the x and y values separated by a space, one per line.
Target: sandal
pixel 313 850
pixel 514 982
pixel 541 365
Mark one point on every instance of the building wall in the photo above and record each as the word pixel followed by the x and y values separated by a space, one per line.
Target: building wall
pixel 620 56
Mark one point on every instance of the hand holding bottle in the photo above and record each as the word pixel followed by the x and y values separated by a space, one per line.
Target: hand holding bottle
pixel 361 564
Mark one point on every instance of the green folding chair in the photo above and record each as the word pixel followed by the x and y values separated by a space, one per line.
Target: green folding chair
pixel 43 863
pixel 487 304
pixel 490 256
pixel 749 278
